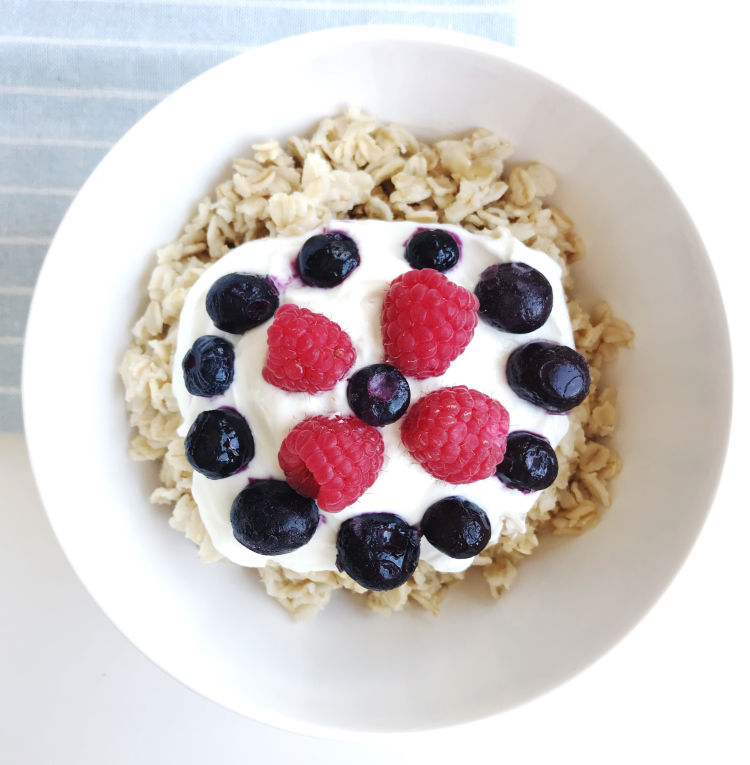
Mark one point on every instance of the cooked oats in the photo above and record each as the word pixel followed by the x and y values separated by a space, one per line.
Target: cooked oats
pixel 355 166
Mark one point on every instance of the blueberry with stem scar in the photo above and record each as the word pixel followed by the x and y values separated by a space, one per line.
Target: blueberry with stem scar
pixel 553 377
pixel 238 302
pixel 378 394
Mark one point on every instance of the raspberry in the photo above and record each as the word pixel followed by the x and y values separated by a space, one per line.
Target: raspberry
pixel 332 459
pixel 307 353
pixel 427 321
pixel 456 434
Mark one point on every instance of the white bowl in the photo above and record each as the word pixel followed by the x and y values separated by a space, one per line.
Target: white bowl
pixel 350 672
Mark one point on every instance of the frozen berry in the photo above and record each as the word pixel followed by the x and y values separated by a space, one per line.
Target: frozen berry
pixel 530 463
pixel 208 367
pixel 554 377
pixel 378 550
pixel 270 518
pixel 239 302
pixel 332 459
pixel 378 394
pixel 219 443
pixel 456 527
pixel 432 248
pixel 456 434
pixel 427 322
pixel 325 260
pixel 307 352
pixel 514 297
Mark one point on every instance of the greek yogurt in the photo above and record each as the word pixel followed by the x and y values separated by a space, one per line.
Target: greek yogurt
pixel 402 486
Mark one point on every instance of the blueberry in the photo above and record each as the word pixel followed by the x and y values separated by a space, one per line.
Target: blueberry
pixel 219 443
pixel 432 248
pixel 456 527
pixel 270 518
pixel 325 260
pixel 378 394
pixel 239 302
pixel 514 297
pixel 208 367
pixel 378 550
pixel 551 376
pixel 530 463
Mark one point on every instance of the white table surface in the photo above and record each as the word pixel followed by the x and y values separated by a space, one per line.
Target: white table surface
pixel 73 690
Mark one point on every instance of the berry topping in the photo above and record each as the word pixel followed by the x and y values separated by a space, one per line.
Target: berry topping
pixel 208 367
pixel 378 550
pixel 307 352
pixel 378 394
pixel 270 518
pixel 530 463
pixel 456 527
pixel 550 376
pixel 432 248
pixel 332 459
pixel 219 443
pixel 456 434
pixel 427 321
pixel 514 297
pixel 325 260
pixel 238 302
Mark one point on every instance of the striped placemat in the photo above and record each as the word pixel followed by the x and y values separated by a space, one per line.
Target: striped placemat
pixel 76 74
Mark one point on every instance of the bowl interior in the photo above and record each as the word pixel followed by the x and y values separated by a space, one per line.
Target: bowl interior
pixel 213 627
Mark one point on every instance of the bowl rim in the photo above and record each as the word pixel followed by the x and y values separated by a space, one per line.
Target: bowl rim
pixel 34 427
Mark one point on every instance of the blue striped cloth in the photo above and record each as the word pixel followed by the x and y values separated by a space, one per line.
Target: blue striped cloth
pixel 76 74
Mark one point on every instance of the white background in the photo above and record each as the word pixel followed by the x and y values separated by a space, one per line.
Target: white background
pixel 73 690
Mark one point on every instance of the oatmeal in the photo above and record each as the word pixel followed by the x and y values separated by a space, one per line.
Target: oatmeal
pixel 354 167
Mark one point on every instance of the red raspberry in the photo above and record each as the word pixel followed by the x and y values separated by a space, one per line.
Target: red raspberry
pixel 456 434
pixel 307 352
pixel 332 459
pixel 427 321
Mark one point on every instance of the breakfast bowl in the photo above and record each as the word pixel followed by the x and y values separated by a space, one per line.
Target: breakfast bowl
pixel 350 672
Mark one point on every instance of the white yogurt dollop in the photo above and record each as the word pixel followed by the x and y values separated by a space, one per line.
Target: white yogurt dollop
pixel 402 486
